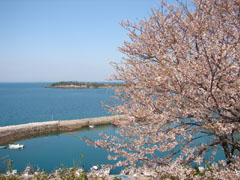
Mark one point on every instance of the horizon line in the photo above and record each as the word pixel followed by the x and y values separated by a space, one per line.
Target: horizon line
pixel 49 81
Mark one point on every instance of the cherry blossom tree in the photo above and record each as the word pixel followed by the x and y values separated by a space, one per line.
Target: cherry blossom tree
pixel 181 97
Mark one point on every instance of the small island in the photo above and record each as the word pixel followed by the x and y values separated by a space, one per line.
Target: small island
pixel 83 85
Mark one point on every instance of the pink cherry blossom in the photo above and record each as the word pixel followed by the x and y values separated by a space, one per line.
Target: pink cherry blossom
pixel 182 90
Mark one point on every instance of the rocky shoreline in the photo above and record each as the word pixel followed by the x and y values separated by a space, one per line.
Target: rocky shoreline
pixel 73 173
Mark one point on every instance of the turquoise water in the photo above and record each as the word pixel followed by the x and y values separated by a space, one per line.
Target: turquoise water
pixel 50 152
pixel 31 102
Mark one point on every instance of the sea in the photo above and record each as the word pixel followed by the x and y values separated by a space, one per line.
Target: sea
pixel 30 102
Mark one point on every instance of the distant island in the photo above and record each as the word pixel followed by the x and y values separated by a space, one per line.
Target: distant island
pixel 83 85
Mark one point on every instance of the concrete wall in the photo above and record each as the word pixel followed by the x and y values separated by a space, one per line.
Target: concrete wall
pixel 13 133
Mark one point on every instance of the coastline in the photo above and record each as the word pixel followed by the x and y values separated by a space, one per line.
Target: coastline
pixel 9 134
pixel 82 85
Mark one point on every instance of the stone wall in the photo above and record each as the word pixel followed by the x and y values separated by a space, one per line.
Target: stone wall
pixel 9 134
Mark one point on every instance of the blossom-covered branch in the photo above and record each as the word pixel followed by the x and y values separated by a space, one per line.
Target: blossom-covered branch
pixel 182 75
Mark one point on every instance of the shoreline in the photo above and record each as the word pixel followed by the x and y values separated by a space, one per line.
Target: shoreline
pixel 83 85
pixel 12 133
pixel 79 87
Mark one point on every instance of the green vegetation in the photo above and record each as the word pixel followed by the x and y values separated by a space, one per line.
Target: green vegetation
pixel 75 84
pixel 63 175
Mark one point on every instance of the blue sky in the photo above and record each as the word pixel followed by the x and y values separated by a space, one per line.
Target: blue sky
pixel 55 40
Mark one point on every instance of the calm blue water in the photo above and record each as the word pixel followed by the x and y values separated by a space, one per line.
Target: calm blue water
pixel 50 152
pixel 31 102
